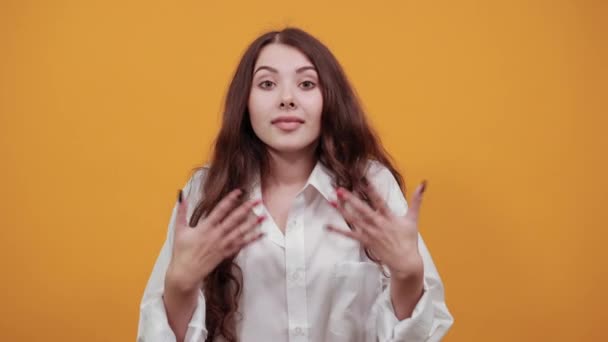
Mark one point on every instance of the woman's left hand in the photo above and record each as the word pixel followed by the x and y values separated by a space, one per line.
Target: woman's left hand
pixel 391 238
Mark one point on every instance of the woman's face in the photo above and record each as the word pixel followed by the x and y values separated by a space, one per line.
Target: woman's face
pixel 285 102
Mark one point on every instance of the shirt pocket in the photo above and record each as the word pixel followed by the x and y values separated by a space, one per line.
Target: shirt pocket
pixel 356 286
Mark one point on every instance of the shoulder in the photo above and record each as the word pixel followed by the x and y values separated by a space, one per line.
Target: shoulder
pixel 385 183
pixel 196 180
pixel 380 176
pixel 378 171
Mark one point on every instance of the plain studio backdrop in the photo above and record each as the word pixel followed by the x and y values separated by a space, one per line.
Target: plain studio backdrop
pixel 106 105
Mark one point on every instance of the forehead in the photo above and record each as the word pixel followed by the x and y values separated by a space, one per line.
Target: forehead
pixel 282 57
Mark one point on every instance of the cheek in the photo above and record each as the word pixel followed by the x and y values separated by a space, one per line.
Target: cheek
pixel 258 106
pixel 314 106
pixel 261 99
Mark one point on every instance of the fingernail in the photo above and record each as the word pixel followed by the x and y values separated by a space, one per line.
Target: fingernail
pixel 179 196
pixel 334 204
pixel 424 184
pixel 341 193
pixel 261 218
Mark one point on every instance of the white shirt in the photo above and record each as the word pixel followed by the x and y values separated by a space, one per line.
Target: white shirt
pixel 308 285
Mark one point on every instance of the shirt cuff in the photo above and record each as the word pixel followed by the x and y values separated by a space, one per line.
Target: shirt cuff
pixel 154 325
pixel 415 328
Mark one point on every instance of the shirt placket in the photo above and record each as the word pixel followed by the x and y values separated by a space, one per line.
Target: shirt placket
pixel 295 265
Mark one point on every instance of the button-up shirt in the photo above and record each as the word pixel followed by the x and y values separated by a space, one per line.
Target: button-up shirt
pixel 308 284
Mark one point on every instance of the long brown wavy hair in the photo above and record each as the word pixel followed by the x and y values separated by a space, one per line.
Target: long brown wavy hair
pixel 346 145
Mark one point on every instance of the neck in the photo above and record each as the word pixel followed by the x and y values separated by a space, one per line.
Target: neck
pixel 289 170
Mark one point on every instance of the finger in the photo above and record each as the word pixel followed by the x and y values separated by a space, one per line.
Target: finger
pixel 244 229
pixel 361 209
pixel 417 201
pixel 377 200
pixel 353 234
pixel 353 221
pixel 224 207
pixel 182 210
pixel 244 242
pixel 236 217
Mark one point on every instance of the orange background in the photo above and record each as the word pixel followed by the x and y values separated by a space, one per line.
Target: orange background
pixel 106 105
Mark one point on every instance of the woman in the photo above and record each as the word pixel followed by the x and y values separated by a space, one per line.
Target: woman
pixel 297 229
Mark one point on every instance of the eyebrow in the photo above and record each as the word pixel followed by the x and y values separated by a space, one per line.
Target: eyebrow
pixel 298 70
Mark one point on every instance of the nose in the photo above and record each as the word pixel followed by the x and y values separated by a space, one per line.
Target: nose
pixel 287 105
pixel 287 101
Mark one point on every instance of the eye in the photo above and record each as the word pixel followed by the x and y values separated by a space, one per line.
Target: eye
pixel 308 84
pixel 266 84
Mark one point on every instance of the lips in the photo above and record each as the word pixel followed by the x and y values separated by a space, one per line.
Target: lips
pixel 287 119
pixel 287 123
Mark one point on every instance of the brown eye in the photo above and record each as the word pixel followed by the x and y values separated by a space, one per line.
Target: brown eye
pixel 266 85
pixel 308 84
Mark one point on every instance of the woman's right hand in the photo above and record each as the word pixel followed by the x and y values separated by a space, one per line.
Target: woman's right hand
pixel 222 233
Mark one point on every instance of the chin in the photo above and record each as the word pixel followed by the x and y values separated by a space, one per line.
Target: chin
pixel 290 148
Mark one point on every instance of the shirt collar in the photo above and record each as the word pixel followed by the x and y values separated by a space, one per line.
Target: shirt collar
pixel 320 179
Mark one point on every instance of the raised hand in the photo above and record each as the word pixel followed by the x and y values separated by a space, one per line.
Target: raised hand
pixel 393 239
pixel 198 250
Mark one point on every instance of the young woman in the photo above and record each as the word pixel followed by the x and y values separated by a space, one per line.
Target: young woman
pixel 297 229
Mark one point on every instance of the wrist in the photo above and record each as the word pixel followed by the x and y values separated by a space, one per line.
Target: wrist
pixel 410 271
pixel 180 283
pixel 406 291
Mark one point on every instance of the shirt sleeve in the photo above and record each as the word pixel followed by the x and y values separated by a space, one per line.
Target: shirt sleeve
pixel 430 319
pixel 153 323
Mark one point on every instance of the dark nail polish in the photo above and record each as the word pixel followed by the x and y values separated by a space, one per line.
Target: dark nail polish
pixel 179 196
pixel 424 184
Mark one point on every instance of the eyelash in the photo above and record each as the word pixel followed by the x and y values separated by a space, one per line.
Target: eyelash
pixel 311 82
